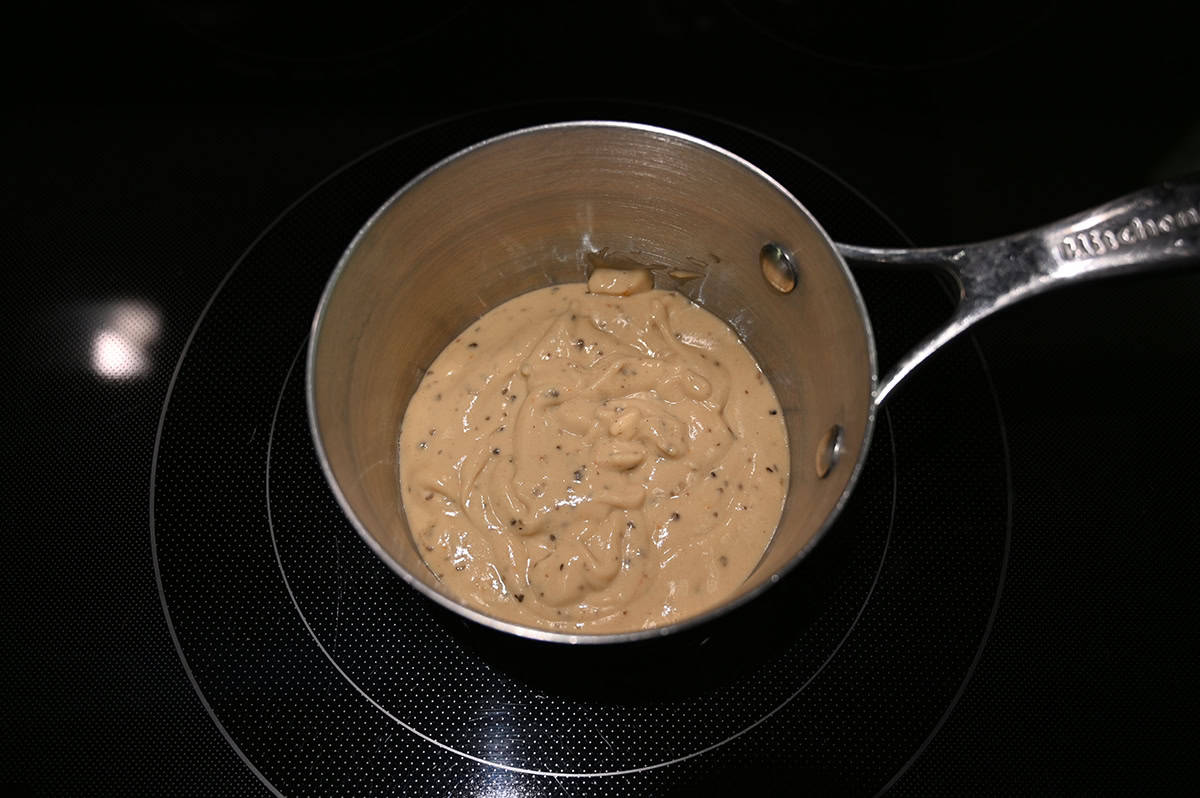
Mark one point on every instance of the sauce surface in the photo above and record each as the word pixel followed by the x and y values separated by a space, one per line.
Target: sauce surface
pixel 599 458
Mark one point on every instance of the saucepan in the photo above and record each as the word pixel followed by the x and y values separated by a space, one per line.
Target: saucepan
pixel 540 206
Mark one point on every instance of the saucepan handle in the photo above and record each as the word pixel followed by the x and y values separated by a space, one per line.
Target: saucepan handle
pixel 1153 228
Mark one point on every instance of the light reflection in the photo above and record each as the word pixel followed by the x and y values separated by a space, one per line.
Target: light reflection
pixel 573 499
pixel 120 347
pixel 502 785
pixel 698 341
pixel 114 356
pixel 499 735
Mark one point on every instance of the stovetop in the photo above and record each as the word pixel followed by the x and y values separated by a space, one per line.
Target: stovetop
pixel 1007 604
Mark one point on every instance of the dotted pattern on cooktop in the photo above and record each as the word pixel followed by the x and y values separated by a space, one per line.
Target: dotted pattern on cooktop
pixel 332 677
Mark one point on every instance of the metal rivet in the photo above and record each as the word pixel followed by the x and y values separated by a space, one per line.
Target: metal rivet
pixel 829 450
pixel 778 267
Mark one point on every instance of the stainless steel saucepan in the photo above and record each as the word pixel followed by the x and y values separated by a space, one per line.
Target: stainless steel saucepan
pixel 533 208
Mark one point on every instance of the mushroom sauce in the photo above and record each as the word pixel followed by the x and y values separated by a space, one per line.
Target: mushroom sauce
pixel 594 458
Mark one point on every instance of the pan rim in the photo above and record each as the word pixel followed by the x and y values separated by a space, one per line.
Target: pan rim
pixel 584 638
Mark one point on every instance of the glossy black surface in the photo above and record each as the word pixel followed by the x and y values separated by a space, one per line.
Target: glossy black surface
pixel 187 613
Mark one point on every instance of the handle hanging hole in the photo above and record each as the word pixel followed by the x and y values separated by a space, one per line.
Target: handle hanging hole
pixel 829 451
pixel 778 267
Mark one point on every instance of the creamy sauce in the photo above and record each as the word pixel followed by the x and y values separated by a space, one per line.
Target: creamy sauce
pixel 606 457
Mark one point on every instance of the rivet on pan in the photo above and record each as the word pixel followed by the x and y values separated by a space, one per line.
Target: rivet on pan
pixel 778 267
pixel 829 450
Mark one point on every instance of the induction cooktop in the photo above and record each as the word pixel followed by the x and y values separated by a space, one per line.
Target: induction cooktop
pixel 1006 604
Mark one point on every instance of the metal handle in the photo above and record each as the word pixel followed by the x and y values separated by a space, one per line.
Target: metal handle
pixel 1153 228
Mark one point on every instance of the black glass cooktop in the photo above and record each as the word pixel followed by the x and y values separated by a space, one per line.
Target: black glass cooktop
pixel 1007 604
pixel 277 608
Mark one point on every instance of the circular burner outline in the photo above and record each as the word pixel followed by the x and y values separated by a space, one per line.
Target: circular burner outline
pixel 162 420
pixel 420 129
pixel 528 771
pixel 1001 578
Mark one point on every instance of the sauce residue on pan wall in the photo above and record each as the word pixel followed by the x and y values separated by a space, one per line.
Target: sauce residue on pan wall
pixel 599 458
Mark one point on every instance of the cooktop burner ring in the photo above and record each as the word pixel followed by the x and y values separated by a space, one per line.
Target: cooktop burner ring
pixel 158 435
pixel 528 771
pixel 207 600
